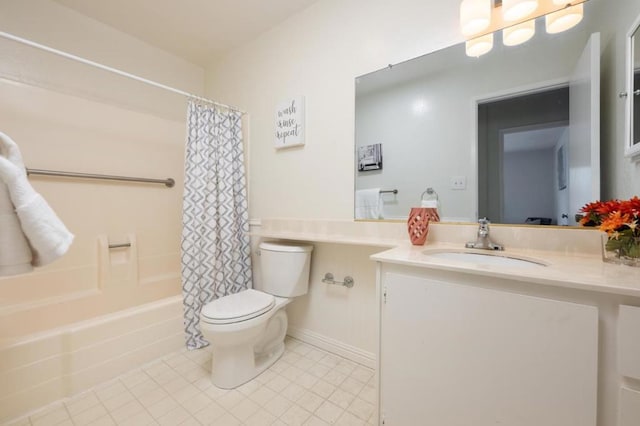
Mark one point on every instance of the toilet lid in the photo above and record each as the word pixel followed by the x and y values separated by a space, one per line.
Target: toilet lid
pixel 237 307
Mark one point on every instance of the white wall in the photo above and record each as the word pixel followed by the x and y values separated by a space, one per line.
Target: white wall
pixel 529 183
pixel 317 54
pixel 620 175
pixel 49 23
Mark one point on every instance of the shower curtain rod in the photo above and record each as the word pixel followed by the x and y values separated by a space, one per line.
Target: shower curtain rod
pixel 114 70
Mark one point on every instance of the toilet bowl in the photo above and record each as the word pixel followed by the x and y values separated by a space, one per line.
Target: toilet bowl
pixel 247 329
pixel 247 343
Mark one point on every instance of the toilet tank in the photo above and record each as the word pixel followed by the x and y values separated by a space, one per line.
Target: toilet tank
pixel 285 268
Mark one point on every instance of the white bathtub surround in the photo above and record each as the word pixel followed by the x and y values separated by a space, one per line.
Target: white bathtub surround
pixel 306 386
pixel 215 247
pixel 38 369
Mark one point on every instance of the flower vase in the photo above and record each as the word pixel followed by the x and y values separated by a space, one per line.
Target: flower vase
pixel 621 251
pixel 418 223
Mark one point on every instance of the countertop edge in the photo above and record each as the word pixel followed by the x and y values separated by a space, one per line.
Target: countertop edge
pixel 563 271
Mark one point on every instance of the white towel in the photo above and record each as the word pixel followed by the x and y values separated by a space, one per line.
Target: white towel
pixel 15 253
pixel 369 204
pixel 432 204
pixel 48 237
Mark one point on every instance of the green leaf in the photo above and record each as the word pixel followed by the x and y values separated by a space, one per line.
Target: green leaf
pixel 633 250
pixel 614 245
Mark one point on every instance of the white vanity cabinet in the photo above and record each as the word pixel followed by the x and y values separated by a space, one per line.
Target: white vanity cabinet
pixel 629 364
pixel 460 350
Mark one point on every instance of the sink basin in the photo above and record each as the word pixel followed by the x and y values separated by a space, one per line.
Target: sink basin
pixel 488 258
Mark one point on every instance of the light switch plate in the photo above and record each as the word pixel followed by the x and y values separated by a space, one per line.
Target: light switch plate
pixel 458 182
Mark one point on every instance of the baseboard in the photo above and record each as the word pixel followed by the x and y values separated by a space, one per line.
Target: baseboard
pixel 349 352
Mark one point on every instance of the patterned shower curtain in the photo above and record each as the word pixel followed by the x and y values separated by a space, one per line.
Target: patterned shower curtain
pixel 215 244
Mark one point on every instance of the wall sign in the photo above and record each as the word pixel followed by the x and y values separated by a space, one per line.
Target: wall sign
pixel 290 123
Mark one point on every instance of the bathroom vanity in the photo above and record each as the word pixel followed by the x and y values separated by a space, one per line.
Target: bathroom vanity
pixel 542 333
pixel 537 338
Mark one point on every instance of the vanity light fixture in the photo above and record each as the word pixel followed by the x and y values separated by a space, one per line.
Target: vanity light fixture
pixel 475 16
pixel 516 18
pixel 564 19
pixel 515 10
pixel 518 34
pixel 479 46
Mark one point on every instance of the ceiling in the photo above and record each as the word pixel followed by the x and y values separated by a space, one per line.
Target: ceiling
pixel 196 30
pixel 533 140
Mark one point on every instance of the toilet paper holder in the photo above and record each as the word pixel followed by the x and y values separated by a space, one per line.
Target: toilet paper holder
pixel 348 281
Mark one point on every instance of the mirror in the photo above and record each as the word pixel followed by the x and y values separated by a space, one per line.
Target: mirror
pixel 493 136
pixel 633 90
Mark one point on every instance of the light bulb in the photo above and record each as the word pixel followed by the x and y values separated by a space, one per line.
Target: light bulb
pixel 564 19
pixel 475 16
pixel 514 10
pixel 518 34
pixel 479 46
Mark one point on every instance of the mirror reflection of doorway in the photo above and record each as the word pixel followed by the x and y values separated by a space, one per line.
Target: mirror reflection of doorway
pixel 519 140
pixel 534 171
pixel 577 104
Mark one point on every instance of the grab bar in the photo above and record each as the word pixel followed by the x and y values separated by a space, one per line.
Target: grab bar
pixel 169 182
pixel 122 245
pixel 328 278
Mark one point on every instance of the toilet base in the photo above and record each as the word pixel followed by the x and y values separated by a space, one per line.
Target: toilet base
pixel 234 365
pixel 229 370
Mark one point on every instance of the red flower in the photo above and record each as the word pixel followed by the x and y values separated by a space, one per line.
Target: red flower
pixel 615 222
pixel 631 206
pixel 610 212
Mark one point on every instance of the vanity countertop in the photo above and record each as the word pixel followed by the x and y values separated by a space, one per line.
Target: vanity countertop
pixel 584 272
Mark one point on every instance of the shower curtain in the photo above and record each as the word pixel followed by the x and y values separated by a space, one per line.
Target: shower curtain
pixel 215 245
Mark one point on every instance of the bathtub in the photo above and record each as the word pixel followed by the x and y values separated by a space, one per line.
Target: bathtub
pixel 40 368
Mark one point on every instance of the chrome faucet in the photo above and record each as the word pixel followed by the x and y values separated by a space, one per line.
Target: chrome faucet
pixel 483 241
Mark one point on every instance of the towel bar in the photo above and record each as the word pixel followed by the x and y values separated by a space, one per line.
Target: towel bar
pixel 112 246
pixel 169 182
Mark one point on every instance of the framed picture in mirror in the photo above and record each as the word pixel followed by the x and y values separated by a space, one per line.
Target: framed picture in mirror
pixel 370 157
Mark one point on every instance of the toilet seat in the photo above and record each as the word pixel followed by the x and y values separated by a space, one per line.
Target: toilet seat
pixel 237 307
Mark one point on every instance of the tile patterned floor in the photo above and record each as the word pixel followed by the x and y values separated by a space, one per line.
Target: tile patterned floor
pixel 307 386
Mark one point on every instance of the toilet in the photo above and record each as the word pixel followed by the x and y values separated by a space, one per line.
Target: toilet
pixel 246 330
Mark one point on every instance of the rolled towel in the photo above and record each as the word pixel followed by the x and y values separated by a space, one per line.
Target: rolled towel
pixel 48 237
pixel 15 253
